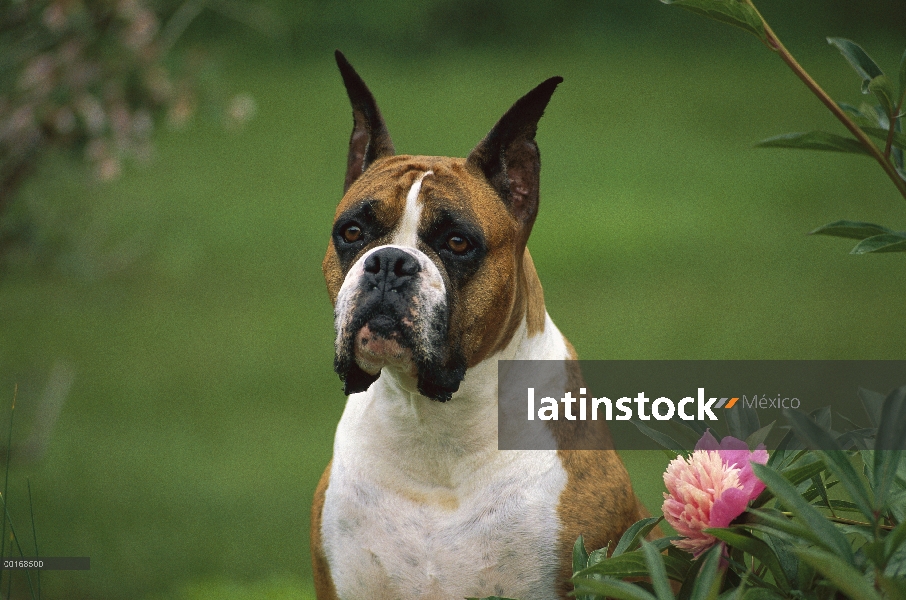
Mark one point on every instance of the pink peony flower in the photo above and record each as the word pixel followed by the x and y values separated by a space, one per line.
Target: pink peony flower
pixel 710 489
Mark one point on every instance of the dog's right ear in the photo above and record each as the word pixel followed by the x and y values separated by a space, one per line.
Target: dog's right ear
pixel 370 139
pixel 509 159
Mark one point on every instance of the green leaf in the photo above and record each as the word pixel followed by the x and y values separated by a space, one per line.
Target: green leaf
pixel 844 505
pixel 882 88
pixel 776 525
pixel 896 566
pixel 611 588
pixel 658 572
pixel 632 564
pixel 758 437
pixel 787 452
pixel 580 555
pixel 863 116
pixel 860 534
pixel 742 421
pixel 757 593
pixel 856 230
pixel 897 500
pixel 699 427
pixel 887 242
pixel 727 11
pixel 661 438
pixel 788 561
pixel 893 588
pixel 685 435
pixel 795 476
pixel 860 438
pixel 822 417
pixel 897 141
pixel 890 445
pixel 840 573
pixel 817 528
pixel 807 471
pixel 818 485
pixel 688 583
pixel 707 584
pixel 666 543
pixel 874 551
pixel 815 140
pixel 872 403
pixel 882 119
pixel 636 532
pixel 894 540
pixel 757 548
pixel 859 59
pixel 834 457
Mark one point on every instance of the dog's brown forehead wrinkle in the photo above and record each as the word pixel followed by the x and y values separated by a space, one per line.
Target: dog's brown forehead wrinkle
pixel 452 185
pixel 385 183
pixel 454 188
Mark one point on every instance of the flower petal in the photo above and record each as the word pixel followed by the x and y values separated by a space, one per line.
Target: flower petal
pixel 730 505
pixel 708 442
pixel 732 443
pixel 750 484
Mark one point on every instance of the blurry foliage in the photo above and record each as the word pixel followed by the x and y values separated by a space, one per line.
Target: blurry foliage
pixel 882 121
pixel 410 26
pixel 85 75
pixel 93 78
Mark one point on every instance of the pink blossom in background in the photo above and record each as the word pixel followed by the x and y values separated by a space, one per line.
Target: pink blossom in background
pixel 710 489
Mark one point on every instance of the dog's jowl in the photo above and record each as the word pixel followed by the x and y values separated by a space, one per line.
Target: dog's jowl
pixel 432 284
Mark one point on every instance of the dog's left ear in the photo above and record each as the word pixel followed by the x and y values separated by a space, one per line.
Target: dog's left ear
pixel 509 158
pixel 370 139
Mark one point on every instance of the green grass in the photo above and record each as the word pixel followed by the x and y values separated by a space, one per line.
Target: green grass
pixel 189 301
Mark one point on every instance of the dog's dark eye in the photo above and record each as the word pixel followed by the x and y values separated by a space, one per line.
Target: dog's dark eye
pixel 352 233
pixel 458 244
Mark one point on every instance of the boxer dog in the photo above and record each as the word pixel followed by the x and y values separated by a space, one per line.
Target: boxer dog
pixel 432 284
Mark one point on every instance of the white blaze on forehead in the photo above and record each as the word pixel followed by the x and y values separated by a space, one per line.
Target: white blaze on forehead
pixel 407 232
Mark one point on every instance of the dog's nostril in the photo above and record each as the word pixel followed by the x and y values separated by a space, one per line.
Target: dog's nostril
pixel 373 263
pixel 405 265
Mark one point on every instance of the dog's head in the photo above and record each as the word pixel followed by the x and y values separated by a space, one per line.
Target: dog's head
pixel 426 252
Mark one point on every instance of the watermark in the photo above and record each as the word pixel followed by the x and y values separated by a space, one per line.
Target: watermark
pixel 606 404
pixel 662 408
pixel 47 563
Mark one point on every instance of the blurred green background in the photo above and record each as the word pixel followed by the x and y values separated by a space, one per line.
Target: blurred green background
pixel 170 333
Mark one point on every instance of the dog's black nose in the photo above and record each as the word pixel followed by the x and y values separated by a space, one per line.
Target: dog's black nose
pixel 391 267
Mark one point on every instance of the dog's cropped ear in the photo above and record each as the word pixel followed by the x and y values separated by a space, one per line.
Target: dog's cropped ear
pixel 509 158
pixel 370 139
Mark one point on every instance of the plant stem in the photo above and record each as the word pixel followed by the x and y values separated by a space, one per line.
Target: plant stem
pixel 34 532
pixel 15 538
pixel 775 44
pixel 845 521
pixel 893 125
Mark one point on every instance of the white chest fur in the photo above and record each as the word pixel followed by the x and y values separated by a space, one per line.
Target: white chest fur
pixel 421 504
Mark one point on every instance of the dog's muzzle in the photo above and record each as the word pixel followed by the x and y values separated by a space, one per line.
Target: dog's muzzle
pixel 392 311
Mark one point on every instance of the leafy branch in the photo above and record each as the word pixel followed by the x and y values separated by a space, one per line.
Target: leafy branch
pixel 882 121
